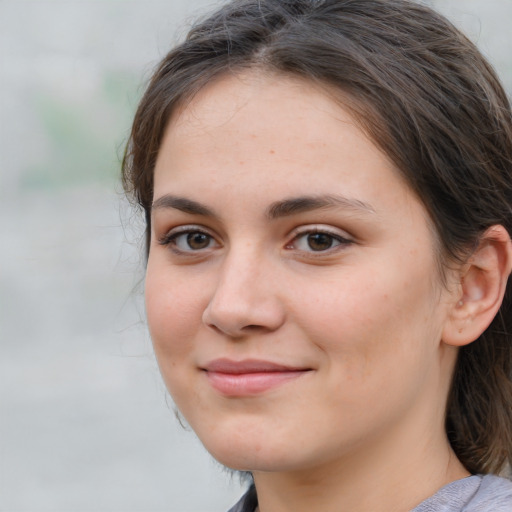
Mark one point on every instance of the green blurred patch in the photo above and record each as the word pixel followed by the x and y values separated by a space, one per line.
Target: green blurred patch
pixel 83 137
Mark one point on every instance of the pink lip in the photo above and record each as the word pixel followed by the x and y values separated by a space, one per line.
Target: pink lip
pixel 249 377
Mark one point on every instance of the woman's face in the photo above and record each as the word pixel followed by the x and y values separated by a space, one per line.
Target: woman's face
pixel 292 291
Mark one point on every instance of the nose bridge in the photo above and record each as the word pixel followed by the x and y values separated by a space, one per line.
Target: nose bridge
pixel 245 295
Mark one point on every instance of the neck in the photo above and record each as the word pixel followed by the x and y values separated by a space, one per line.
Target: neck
pixel 379 478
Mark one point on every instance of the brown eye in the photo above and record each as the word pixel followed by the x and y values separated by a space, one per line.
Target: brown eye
pixel 320 241
pixel 189 241
pixel 197 241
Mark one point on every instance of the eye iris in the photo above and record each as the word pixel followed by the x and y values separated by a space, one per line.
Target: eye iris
pixel 319 241
pixel 198 240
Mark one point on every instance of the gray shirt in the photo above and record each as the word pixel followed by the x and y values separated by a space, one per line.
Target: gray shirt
pixel 473 494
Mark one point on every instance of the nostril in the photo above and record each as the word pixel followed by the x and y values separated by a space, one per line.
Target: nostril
pixel 238 316
pixel 234 332
pixel 213 327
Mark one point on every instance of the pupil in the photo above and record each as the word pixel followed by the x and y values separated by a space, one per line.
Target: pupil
pixel 319 241
pixel 197 240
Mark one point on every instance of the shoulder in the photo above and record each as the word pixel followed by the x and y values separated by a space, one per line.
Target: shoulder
pixel 494 495
pixel 478 493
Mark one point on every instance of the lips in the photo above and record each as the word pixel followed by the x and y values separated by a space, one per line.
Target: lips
pixel 249 377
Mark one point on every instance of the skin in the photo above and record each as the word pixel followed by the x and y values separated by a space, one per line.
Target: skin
pixel 363 428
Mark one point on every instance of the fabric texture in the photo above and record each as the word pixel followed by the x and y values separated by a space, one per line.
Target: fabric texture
pixel 473 494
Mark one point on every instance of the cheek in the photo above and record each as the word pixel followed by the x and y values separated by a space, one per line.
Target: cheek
pixel 173 311
pixel 368 316
pixel 174 316
pixel 378 337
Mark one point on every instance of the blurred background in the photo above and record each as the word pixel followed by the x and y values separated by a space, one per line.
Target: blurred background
pixel 85 422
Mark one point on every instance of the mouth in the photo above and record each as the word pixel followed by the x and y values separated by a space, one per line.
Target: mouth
pixel 249 377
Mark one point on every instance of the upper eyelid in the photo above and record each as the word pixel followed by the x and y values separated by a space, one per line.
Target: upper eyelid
pixel 342 240
pixel 320 228
pixel 302 230
pixel 185 228
pixel 169 234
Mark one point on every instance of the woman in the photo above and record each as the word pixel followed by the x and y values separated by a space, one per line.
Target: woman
pixel 328 196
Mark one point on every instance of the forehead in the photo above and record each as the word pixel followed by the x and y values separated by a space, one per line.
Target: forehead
pixel 277 135
pixel 254 114
pixel 232 94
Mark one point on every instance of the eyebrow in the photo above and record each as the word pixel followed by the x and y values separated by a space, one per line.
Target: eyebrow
pixel 278 209
pixel 182 204
pixel 302 204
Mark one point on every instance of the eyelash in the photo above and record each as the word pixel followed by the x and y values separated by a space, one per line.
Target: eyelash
pixel 335 238
pixel 171 239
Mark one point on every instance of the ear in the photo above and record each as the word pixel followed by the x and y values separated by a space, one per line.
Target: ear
pixel 483 280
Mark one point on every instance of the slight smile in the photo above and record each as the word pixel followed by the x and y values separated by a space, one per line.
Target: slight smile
pixel 249 377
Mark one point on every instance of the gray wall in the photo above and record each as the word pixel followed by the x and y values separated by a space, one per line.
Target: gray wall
pixel 85 424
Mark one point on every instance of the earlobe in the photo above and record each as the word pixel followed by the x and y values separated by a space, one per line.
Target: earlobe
pixel 483 281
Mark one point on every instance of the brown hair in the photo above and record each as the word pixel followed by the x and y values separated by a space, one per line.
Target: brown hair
pixel 427 97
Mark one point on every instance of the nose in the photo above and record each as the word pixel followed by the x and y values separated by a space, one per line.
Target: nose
pixel 246 297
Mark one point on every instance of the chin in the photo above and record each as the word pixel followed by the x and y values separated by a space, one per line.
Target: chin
pixel 263 454
pixel 248 452
pixel 251 460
